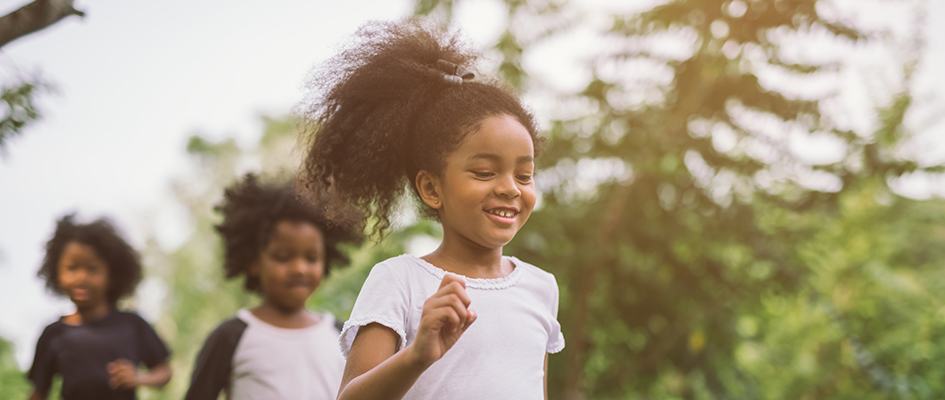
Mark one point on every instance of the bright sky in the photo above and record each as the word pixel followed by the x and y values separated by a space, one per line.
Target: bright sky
pixel 136 78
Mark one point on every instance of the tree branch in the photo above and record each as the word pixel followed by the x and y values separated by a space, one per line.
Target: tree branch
pixel 33 17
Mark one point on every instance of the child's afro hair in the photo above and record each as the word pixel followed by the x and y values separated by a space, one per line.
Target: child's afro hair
pixel 384 109
pixel 123 262
pixel 251 209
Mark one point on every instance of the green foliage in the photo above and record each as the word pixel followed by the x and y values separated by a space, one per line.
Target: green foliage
pixel 19 107
pixel 703 263
pixel 13 383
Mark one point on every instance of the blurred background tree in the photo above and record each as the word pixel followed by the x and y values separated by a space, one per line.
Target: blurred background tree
pixel 676 211
pixel 18 95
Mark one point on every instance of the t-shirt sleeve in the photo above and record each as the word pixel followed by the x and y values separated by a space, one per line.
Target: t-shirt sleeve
pixel 152 349
pixel 214 363
pixel 384 300
pixel 555 336
pixel 44 361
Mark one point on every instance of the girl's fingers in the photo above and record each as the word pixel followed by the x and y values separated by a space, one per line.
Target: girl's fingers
pixel 453 284
pixel 450 304
pixel 454 288
pixel 470 318
pixel 450 278
pixel 453 302
pixel 447 317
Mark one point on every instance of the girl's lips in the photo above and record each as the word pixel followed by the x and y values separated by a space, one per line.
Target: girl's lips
pixel 79 294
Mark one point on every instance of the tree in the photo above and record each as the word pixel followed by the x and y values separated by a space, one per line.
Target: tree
pixel 673 207
pixel 33 17
pixel 18 98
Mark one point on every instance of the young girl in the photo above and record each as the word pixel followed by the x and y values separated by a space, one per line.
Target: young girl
pixel 278 349
pixel 465 321
pixel 97 349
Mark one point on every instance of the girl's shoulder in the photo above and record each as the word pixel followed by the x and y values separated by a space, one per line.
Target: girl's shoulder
pixel 229 331
pixel 395 262
pixel 399 268
pixel 534 272
pixel 52 330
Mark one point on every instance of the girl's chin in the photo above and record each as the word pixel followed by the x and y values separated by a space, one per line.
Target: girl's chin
pixel 293 304
pixel 497 239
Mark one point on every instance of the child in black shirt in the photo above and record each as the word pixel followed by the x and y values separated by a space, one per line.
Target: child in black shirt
pixel 96 350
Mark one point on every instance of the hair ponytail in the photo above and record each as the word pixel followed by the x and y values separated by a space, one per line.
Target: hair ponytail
pixel 388 107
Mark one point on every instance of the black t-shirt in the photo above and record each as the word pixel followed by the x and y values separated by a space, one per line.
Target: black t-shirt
pixel 81 353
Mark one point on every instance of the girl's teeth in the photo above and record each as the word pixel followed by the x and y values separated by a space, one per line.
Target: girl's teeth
pixel 503 213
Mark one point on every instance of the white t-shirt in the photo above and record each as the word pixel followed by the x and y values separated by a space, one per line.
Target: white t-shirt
pixel 501 356
pixel 279 363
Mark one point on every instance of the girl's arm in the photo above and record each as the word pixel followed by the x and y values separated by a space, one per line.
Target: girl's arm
pixel 124 374
pixel 376 370
pixel 156 377
pixel 546 376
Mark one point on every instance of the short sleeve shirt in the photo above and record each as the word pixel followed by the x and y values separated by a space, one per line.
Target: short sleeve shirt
pixel 501 356
pixel 80 354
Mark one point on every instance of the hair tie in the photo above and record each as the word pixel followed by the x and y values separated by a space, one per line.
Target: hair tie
pixel 453 73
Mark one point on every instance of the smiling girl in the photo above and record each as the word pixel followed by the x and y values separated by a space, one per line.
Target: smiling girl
pixel 97 350
pixel 399 110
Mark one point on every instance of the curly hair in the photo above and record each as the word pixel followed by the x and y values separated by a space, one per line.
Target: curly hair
pixel 122 261
pixel 382 112
pixel 251 209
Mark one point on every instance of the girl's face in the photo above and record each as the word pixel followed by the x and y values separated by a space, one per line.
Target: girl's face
pixel 82 275
pixel 291 265
pixel 486 191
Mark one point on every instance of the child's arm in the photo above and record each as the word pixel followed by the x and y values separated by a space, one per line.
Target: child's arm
pixel 124 374
pixel 546 376
pixel 376 370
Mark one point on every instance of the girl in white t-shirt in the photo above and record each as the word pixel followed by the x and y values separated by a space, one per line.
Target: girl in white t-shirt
pixel 398 109
pixel 283 247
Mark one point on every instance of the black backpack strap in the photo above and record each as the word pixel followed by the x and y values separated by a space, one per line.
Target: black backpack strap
pixel 215 361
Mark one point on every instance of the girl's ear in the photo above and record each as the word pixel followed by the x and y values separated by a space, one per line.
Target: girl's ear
pixel 428 186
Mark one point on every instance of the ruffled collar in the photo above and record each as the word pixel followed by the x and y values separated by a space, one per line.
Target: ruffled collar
pixel 501 282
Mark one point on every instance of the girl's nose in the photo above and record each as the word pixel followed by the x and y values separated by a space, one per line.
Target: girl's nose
pixel 80 275
pixel 298 266
pixel 507 188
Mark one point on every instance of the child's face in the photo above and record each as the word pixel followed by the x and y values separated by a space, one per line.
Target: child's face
pixel 82 275
pixel 487 192
pixel 291 265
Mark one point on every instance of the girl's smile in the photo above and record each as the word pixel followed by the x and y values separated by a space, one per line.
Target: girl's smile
pixel 485 193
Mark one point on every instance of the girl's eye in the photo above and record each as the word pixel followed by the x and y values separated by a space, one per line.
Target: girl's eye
pixel 525 178
pixel 483 174
pixel 281 257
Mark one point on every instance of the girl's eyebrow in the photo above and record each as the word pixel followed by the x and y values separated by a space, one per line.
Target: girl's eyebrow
pixel 497 158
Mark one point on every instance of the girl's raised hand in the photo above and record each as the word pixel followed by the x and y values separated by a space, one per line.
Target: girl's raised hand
pixel 445 317
pixel 122 374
